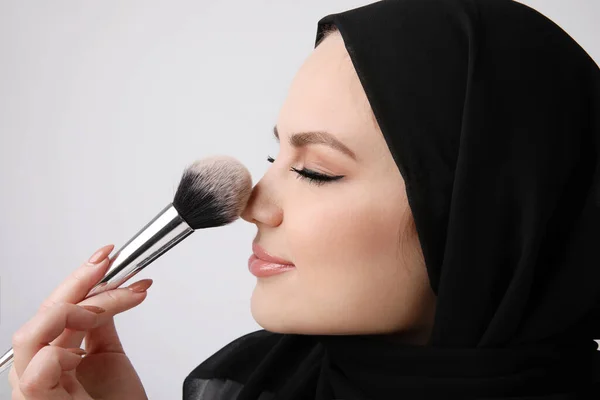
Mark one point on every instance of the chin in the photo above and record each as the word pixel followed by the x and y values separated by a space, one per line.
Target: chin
pixel 271 315
pixel 282 317
pixel 279 316
pixel 274 307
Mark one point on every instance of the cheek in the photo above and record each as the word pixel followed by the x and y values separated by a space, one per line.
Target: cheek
pixel 345 236
pixel 348 277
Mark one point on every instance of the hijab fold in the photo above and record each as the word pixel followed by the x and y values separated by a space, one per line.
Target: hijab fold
pixel 492 115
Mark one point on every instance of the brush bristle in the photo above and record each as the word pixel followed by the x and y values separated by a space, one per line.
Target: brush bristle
pixel 213 192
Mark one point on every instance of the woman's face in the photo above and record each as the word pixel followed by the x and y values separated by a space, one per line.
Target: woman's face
pixel 358 265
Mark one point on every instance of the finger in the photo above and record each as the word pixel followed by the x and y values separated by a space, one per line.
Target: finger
pixel 17 395
pixel 82 280
pixel 74 387
pixel 46 326
pixel 104 339
pixel 13 379
pixel 114 301
pixel 68 380
pixel 41 379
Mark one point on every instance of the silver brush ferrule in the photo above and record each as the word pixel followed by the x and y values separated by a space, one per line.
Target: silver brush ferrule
pixel 159 235
pixel 164 231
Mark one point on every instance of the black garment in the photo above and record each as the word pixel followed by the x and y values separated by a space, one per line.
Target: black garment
pixel 492 114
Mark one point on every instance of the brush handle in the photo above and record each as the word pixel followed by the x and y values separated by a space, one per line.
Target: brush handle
pixel 164 231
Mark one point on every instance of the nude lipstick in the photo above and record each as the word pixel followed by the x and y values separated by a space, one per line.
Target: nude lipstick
pixel 261 264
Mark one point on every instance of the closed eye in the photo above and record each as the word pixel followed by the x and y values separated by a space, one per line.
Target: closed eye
pixel 312 176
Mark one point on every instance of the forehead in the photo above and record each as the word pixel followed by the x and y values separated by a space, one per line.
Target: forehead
pixel 326 94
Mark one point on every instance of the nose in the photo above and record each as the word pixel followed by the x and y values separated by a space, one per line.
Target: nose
pixel 262 207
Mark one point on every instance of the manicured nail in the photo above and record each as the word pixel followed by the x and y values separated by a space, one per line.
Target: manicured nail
pixel 140 286
pixel 99 255
pixel 77 351
pixel 94 309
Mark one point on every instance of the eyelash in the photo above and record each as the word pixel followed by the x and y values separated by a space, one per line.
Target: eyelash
pixel 312 177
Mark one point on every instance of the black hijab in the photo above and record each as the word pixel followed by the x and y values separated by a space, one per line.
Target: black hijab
pixel 492 115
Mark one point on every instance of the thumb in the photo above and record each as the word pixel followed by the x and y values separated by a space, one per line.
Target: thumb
pixel 104 338
pixel 114 301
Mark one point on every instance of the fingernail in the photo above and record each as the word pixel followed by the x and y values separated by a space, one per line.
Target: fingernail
pixel 99 255
pixel 140 286
pixel 77 351
pixel 94 309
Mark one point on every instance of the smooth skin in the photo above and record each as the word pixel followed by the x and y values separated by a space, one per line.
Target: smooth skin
pixel 45 368
pixel 359 264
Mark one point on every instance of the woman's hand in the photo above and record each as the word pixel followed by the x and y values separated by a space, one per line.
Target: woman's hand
pixel 46 365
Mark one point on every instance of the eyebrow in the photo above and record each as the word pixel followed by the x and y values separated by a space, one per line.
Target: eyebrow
pixel 302 139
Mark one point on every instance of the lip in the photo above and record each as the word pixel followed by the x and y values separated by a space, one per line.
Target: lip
pixel 261 264
pixel 261 253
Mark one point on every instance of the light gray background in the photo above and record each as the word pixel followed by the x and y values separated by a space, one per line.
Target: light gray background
pixel 102 105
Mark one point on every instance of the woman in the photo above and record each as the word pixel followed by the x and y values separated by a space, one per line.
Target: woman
pixel 443 235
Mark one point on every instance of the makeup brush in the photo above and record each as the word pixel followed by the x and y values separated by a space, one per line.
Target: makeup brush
pixel 212 192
